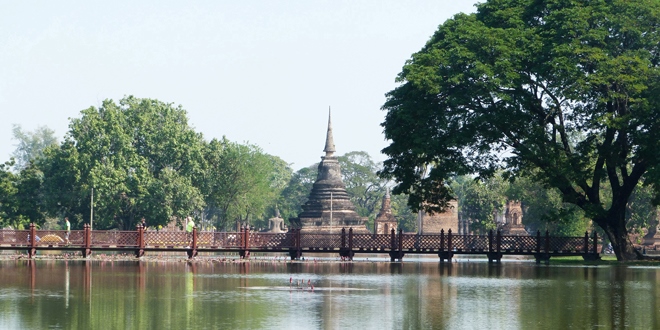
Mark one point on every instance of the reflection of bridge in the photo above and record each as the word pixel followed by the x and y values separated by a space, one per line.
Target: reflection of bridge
pixel 347 244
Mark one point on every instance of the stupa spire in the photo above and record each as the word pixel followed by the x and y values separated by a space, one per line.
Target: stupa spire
pixel 329 140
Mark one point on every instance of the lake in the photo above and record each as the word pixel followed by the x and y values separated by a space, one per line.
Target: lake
pixel 271 293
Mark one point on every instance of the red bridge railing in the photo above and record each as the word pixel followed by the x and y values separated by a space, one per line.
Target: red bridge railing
pixel 345 242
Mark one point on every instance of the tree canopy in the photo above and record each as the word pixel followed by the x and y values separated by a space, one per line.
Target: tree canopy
pixel 140 156
pixel 31 145
pixel 566 92
pixel 241 183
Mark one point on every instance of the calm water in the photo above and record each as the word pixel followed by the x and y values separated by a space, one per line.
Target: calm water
pixel 416 294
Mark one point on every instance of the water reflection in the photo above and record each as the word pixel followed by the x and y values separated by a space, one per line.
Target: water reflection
pixel 366 295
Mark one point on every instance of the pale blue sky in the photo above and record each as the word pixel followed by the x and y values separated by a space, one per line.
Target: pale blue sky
pixel 262 72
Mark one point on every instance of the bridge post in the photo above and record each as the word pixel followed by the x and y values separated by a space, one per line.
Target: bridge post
pixel 192 251
pixel 32 250
pixel 244 252
pixel 594 255
pixel 350 243
pixel 595 241
pixel 449 245
pixel 295 252
pixel 445 254
pixel 442 239
pixel 495 255
pixel 394 253
pixel 545 254
pixel 298 245
pixel 346 252
pixel 586 242
pixel 87 241
pixel 343 238
pixel 139 252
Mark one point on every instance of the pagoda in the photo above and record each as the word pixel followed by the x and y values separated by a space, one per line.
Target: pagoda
pixel 385 220
pixel 328 208
pixel 512 224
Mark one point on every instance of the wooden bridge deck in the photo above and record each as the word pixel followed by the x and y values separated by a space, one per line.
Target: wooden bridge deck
pixel 295 243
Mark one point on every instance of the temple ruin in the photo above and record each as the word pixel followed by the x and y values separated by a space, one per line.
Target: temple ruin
pixel 385 220
pixel 329 208
pixel 438 221
pixel 511 222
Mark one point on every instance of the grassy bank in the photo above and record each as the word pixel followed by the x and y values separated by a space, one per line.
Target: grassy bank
pixel 605 260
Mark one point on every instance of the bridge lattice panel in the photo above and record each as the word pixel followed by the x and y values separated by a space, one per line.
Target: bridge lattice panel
pixel 114 238
pixel 220 240
pixel 205 239
pixel 429 242
pixel 321 241
pixel 566 244
pixel 272 240
pixel 14 237
pixel 467 243
pixel 408 241
pixel 167 238
pixel 371 241
pixel 518 243
pixel 226 240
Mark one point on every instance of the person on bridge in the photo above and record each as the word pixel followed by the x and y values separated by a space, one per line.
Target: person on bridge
pixel 189 228
pixel 68 229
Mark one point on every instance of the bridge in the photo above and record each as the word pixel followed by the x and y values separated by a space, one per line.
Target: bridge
pixel 296 243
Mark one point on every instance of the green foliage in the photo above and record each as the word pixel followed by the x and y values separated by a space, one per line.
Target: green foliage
pixel 359 173
pixel 641 213
pixel 296 192
pixel 142 159
pixel 478 200
pixel 140 156
pixel 20 196
pixel 7 195
pixel 241 183
pixel 406 218
pixel 31 145
pixel 544 209
pixel 564 91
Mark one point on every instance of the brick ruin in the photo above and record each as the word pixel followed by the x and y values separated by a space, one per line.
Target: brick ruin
pixel 436 222
pixel 511 223
pixel 385 220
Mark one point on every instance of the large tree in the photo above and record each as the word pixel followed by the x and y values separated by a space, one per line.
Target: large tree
pixel 241 183
pixel 359 173
pixel 8 192
pixel 21 196
pixel 140 156
pixel 31 145
pixel 566 90
pixel 296 192
pixel 478 201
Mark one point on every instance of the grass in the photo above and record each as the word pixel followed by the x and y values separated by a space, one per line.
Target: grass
pixel 605 260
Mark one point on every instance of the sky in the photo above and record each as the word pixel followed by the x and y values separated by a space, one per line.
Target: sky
pixel 258 72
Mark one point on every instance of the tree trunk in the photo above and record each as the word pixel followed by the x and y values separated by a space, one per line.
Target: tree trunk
pixel 615 229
